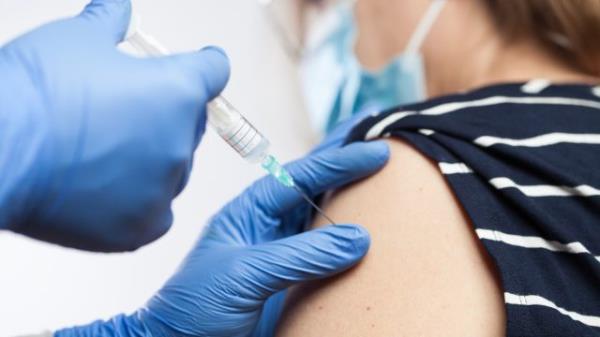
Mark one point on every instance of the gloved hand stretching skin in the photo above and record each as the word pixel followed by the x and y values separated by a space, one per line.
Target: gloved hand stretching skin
pixel 95 144
pixel 248 252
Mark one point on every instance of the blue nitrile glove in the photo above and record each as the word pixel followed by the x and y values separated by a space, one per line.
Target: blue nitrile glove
pixel 246 254
pixel 95 144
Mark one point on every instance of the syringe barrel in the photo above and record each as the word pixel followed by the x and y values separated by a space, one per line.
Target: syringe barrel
pixel 237 131
pixel 240 134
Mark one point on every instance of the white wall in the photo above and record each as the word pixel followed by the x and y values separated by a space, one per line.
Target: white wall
pixel 44 286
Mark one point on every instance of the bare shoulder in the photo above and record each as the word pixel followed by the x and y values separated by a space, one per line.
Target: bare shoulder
pixel 425 274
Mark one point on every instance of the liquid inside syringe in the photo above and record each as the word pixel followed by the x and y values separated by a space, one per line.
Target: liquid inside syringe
pixel 228 122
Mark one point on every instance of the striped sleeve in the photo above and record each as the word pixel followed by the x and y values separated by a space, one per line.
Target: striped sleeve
pixel 524 162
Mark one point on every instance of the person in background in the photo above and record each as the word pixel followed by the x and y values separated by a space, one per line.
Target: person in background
pixel 485 221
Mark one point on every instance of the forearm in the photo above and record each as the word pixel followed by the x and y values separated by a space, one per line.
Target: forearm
pixel 21 135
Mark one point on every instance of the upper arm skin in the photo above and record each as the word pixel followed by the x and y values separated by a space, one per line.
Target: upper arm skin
pixel 426 273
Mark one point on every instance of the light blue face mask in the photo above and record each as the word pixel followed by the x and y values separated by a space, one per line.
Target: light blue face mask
pixel 336 86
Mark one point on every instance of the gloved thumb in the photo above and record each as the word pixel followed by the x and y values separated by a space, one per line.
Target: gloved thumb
pixel 110 17
pixel 208 68
pixel 308 256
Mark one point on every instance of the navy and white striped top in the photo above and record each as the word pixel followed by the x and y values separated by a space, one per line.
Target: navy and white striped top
pixel 524 162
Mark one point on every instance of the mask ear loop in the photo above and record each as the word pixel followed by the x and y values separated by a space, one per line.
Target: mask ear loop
pixel 424 26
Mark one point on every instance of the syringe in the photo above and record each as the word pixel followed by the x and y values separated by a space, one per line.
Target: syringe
pixel 227 121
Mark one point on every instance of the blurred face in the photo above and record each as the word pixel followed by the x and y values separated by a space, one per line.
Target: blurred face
pixel 374 31
pixel 462 50
pixel 458 33
pixel 385 26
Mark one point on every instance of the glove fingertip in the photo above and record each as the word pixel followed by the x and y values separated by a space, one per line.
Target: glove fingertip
pixel 355 240
pixel 373 154
pixel 214 68
pixel 112 16
pixel 215 49
pixel 381 149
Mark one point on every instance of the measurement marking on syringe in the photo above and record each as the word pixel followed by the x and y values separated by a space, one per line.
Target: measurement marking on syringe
pixel 241 139
pixel 249 141
pixel 235 133
pixel 237 138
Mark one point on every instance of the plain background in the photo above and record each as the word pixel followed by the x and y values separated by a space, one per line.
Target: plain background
pixel 43 286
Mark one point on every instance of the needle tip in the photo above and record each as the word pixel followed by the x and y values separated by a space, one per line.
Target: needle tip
pixel 312 203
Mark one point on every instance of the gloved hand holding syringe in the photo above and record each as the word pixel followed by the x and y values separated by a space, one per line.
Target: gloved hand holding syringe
pixel 227 121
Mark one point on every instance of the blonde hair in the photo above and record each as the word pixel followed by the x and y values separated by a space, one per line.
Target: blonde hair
pixel 570 28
